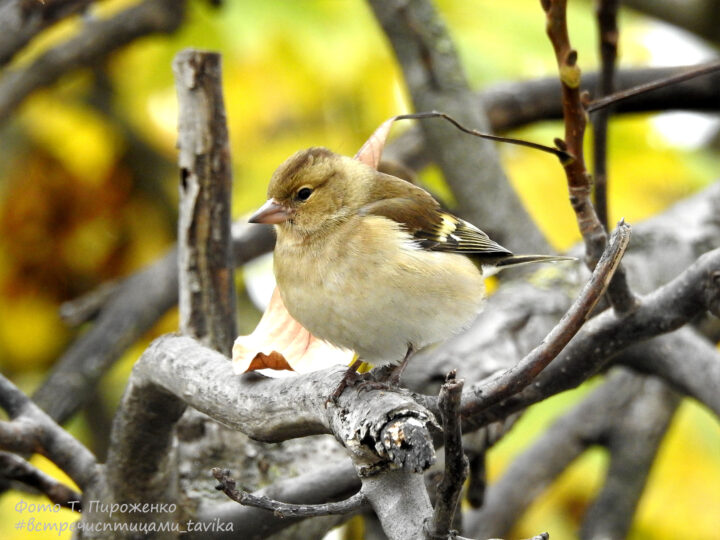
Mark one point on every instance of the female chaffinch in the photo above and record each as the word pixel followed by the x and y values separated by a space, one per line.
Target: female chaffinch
pixel 371 262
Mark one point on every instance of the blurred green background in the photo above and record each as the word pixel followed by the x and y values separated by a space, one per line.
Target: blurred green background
pixel 88 192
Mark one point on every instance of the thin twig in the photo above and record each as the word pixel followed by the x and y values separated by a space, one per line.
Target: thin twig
pixel 521 375
pixel 286 510
pixel 13 467
pixel 578 179
pixel 86 307
pixel 608 33
pixel 698 71
pixel 511 105
pixel 561 154
pixel 456 464
pixel 327 482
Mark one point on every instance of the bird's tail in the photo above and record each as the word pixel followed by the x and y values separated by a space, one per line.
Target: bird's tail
pixel 517 260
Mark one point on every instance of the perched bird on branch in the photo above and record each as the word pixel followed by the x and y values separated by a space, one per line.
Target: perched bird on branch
pixel 371 262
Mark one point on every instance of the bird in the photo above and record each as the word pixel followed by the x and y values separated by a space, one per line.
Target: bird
pixel 372 263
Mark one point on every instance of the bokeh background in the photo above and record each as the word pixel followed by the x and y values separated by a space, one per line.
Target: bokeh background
pixel 88 191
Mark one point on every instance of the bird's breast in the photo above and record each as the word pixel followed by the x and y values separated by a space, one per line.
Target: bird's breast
pixel 369 288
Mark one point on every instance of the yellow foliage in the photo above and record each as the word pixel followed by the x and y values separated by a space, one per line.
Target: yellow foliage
pixel 140 217
pixel 86 247
pixel 682 492
pixel 74 134
pixel 30 331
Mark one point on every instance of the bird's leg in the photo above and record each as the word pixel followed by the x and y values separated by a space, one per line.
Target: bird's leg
pixel 395 374
pixel 348 379
pixel 388 376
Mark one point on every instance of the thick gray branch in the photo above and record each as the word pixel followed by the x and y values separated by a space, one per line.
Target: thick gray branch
pixel 686 360
pixel 400 501
pixel 372 425
pixel 260 407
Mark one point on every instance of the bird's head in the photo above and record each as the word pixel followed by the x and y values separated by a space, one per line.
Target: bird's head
pixel 312 190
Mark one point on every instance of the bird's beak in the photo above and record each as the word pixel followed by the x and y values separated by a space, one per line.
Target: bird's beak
pixel 271 212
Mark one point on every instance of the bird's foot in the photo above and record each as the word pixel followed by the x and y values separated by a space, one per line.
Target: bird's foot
pixel 380 378
pixel 383 378
pixel 349 379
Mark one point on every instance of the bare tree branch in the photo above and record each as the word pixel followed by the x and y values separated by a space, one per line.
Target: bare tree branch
pixel 522 374
pixel 436 81
pixel 15 468
pixel 586 424
pixel 255 404
pixel 633 439
pixel 578 179
pixel 96 40
pixel 207 288
pixel 689 74
pixel 31 430
pixel 86 307
pixel 372 424
pixel 456 464
pixel 608 32
pixel 684 359
pixel 140 466
pixel 325 485
pixel 666 309
pixel 21 21
pixel 400 500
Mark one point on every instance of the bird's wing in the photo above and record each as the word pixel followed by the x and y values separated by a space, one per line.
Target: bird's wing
pixel 433 228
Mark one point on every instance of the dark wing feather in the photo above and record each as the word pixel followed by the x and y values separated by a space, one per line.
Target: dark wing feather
pixel 434 228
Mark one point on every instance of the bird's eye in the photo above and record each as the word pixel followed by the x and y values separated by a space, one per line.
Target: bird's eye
pixel 304 194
